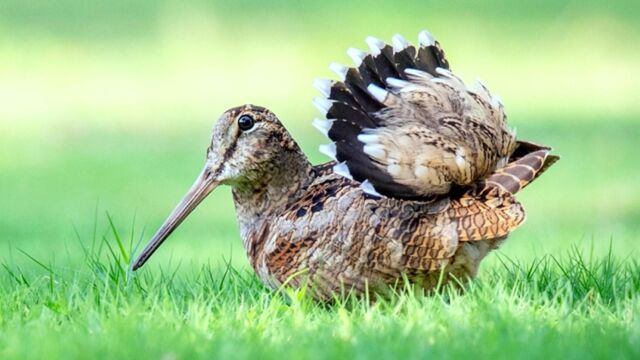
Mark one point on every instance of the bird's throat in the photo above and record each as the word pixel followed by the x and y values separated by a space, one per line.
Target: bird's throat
pixel 267 191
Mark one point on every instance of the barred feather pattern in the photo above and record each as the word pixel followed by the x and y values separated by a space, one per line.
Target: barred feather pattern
pixel 374 242
pixel 333 237
pixel 405 126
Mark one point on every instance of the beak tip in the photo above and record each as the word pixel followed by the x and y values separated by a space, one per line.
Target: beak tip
pixel 137 264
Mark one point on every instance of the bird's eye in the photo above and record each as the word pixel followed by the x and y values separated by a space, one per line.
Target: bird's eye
pixel 245 122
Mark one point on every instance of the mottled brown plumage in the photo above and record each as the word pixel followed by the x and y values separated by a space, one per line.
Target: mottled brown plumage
pixel 421 186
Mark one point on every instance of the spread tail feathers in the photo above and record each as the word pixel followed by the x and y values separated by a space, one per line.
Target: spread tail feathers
pixel 403 124
pixel 527 163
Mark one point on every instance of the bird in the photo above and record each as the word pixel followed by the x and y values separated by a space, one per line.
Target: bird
pixel 419 188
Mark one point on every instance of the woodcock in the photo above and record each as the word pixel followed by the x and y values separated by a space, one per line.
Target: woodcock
pixel 420 187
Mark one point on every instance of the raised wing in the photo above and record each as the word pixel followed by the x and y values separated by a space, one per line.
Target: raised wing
pixel 404 126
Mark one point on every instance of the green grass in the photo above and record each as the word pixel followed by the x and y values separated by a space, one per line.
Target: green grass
pixel 573 305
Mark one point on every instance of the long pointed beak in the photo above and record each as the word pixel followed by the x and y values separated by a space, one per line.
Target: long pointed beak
pixel 202 187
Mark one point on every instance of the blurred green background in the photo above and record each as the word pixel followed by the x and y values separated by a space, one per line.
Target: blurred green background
pixel 108 106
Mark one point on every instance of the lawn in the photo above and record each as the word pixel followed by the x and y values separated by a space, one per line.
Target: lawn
pixel 565 306
pixel 105 113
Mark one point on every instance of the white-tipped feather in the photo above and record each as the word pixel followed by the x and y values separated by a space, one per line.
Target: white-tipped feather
pixel 368 188
pixel 342 170
pixel 481 88
pixel 339 69
pixel 496 101
pixel 397 83
pixel 322 104
pixel 323 125
pixel 440 81
pixel 399 43
pixel 374 44
pixel 418 73
pixel 444 72
pixel 375 150
pixel 369 138
pixel 425 38
pixel 356 55
pixel 323 85
pixel 329 150
pixel 379 93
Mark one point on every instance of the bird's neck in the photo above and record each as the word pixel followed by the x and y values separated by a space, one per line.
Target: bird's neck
pixel 266 192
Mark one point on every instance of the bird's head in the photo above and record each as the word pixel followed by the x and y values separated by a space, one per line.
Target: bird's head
pixel 246 142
